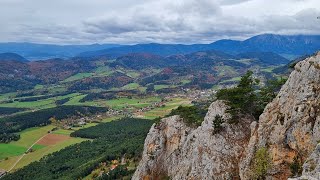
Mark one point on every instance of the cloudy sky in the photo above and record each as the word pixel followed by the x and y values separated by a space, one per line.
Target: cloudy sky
pixel 162 21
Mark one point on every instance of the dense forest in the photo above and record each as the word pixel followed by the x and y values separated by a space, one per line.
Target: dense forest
pixel 36 98
pixel 19 122
pixel 10 110
pixel 114 130
pixel 95 96
pixel 113 140
pixel 114 80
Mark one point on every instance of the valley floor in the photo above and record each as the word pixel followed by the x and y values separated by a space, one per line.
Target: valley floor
pixel 38 142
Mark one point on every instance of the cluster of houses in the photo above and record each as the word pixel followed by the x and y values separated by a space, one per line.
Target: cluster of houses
pixel 151 106
pixel 193 94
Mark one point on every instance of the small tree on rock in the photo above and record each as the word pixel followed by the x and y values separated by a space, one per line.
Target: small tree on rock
pixel 217 124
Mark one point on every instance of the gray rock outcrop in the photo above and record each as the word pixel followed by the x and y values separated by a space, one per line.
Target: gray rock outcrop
pixel 180 152
pixel 290 125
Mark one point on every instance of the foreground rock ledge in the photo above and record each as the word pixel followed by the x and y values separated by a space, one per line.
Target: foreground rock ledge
pixel 181 152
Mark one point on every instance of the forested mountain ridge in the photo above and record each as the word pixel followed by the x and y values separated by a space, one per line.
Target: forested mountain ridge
pixel 35 51
pixel 290 45
pixel 294 45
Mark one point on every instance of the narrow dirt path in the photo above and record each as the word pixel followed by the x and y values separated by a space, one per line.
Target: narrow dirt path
pixel 26 152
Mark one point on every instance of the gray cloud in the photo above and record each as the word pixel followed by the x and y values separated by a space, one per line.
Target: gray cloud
pixel 165 21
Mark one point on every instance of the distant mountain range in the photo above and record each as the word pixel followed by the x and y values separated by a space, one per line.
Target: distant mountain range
pixel 33 51
pixel 197 59
pixel 288 46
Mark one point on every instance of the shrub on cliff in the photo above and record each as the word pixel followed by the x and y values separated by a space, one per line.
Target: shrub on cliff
pixel 217 124
pixel 296 167
pixel 191 115
pixel 240 99
pixel 247 98
pixel 261 163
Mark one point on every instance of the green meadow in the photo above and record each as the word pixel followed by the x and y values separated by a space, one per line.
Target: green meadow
pixel 8 150
pixel 78 77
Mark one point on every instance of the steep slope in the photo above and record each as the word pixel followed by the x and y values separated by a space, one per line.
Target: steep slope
pixel 288 129
pixel 181 152
pixel 290 125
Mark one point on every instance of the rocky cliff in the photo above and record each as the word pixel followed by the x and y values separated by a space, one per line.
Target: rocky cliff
pixel 175 150
pixel 289 130
pixel 290 125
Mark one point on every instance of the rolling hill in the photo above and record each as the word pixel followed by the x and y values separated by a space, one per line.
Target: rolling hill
pixel 12 57
pixel 199 69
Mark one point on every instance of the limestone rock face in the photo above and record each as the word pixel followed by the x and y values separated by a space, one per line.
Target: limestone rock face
pixel 290 125
pixel 181 152
pixel 289 128
pixel 311 167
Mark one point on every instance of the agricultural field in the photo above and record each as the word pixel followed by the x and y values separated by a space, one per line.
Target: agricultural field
pixel 78 77
pixel 157 87
pixel 122 103
pixel 225 71
pixel 134 86
pixel 41 143
pixel 268 69
pixel 41 150
pixel 38 104
pixel 6 96
pixel 36 142
pixel 235 79
pixel 108 140
pixel 8 150
pixel 162 111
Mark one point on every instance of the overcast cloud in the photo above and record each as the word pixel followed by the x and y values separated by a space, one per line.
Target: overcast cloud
pixel 162 21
